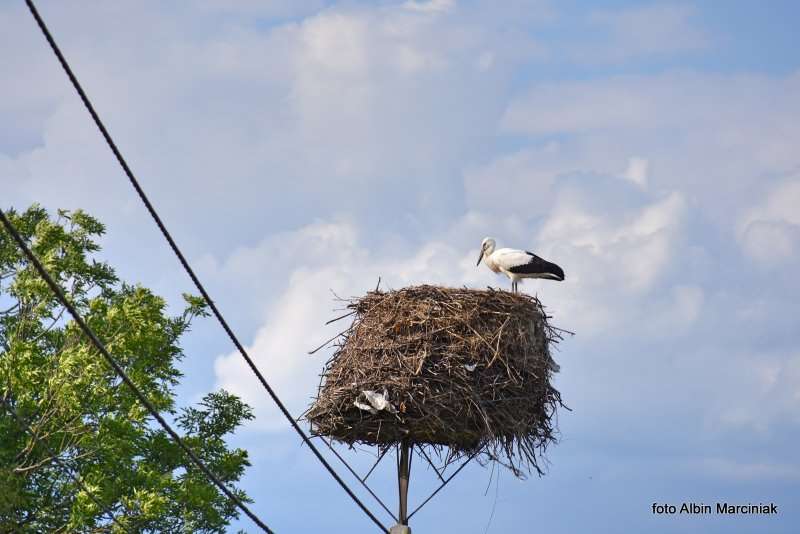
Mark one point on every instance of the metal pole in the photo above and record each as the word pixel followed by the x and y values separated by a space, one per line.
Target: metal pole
pixel 403 482
pixel 403 473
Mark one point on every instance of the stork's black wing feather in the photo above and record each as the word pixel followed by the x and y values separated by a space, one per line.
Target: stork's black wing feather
pixel 537 265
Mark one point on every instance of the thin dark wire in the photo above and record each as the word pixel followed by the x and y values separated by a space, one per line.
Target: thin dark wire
pixel 352 471
pixel 494 504
pixel 185 264
pixel 380 457
pixel 430 462
pixel 64 466
pixel 447 481
pixel 121 372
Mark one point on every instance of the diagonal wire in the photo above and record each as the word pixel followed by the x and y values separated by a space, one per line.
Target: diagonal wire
pixel 380 457
pixel 430 462
pixel 77 479
pixel 87 103
pixel 121 372
pixel 447 481
pixel 352 471
pixel 135 183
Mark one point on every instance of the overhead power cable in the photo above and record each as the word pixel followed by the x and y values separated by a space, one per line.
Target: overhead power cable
pixel 135 183
pixel 59 293
pixel 75 478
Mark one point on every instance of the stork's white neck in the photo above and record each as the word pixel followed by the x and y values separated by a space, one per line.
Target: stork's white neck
pixel 490 263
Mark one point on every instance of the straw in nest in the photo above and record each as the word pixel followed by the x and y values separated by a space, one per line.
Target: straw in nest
pixel 459 370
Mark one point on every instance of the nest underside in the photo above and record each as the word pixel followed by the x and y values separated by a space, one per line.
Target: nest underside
pixel 466 372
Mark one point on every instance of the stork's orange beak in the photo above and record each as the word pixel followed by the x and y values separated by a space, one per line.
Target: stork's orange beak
pixel 479 258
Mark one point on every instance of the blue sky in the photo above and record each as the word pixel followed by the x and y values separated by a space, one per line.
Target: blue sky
pixel 299 147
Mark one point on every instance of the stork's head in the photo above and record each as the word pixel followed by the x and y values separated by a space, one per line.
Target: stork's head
pixel 487 247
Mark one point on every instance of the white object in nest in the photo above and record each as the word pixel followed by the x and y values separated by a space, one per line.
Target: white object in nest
pixel 470 366
pixel 377 402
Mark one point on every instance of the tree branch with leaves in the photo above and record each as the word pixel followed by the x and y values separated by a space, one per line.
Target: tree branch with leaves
pixel 73 403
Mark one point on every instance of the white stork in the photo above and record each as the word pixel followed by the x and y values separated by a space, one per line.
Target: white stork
pixel 517 264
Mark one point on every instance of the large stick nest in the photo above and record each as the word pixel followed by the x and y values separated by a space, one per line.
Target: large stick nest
pixel 464 370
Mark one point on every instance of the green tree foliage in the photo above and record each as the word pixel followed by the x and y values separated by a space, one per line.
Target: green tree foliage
pixel 75 405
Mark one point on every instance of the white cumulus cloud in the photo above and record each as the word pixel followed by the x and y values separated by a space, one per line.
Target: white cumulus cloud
pixel 770 231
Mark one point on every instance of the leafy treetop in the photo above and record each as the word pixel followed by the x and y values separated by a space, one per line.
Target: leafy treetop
pixel 75 404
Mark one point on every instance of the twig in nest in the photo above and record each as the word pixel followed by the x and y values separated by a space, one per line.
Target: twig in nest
pixel 433 350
